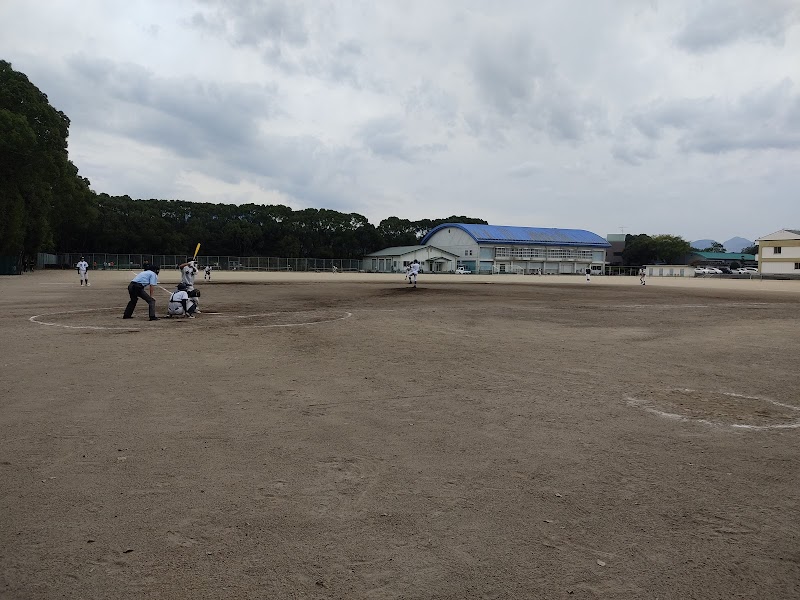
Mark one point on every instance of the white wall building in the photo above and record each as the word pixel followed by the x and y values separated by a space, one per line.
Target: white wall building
pixel 779 252
pixel 669 270
pixel 394 260
pixel 503 249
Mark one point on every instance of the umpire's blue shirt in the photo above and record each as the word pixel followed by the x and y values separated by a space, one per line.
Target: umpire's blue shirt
pixel 146 278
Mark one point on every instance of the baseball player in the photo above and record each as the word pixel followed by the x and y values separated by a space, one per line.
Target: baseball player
pixel 188 271
pixel 83 267
pixel 180 304
pixel 413 272
pixel 642 274
pixel 207 275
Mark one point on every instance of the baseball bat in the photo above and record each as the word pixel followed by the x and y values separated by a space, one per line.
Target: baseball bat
pixel 196 250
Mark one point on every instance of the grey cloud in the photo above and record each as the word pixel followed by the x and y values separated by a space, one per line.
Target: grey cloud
pixel 522 88
pixel 763 119
pixel 278 29
pixel 426 97
pixel 721 22
pixel 388 138
pixel 290 37
pixel 525 169
pixel 632 155
pixel 191 117
pixel 509 71
pixel 652 120
pixel 255 22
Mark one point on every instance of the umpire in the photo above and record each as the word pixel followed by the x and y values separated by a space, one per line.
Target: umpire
pixel 136 291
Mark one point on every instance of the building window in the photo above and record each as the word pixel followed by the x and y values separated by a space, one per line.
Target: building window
pixel 466 252
pixel 797 265
pixel 470 252
pixel 777 250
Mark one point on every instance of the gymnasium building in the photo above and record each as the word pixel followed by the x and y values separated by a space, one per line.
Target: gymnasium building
pixel 499 249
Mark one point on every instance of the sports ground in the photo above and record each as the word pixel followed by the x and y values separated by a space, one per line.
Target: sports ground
pixel 346 436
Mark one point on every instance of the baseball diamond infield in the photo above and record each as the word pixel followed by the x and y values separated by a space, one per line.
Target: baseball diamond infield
pixel 346 436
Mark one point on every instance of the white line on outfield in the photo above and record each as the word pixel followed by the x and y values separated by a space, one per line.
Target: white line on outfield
pixel 644 405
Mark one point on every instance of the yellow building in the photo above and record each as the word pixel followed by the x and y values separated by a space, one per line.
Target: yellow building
pixel 779 253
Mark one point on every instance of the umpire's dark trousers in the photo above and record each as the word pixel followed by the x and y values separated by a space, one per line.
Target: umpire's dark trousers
pixel 136 291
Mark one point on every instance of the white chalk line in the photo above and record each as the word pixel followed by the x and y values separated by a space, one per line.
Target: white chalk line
pixel 644 405
pixel 36 319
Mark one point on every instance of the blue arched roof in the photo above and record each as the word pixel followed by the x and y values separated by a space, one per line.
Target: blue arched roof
pixel 545 236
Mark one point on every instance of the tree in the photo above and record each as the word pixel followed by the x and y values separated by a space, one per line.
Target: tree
pixel 38 184
pixel 714 247
pixel 639 249
pixel 750 249
pixel 670 249
pixel 398 232
pixel 643 249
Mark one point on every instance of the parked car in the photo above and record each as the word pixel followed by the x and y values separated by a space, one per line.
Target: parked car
pixel 462 271
pixel 725 270
pixel 747 270
pixel 707 271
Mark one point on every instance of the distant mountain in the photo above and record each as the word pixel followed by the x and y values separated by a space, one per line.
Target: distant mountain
pixel 736 244
pixel 700 244
pixel 732 245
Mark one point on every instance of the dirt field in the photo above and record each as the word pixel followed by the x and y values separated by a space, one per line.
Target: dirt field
pixel 345 436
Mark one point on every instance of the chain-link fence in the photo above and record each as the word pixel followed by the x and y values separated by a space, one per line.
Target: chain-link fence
pixel 107 261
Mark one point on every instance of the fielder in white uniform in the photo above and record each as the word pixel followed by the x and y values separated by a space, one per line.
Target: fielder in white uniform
pixel 207 273
pixel 83 268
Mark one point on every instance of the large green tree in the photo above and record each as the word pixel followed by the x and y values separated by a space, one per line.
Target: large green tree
pixel 643 249
pixel 45 203
pixel 670 249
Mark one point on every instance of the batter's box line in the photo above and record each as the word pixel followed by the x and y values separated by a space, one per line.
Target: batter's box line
pixel 647 406
pixel 35 319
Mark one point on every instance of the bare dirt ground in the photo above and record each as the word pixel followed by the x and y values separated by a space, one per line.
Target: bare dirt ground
pixel 344 436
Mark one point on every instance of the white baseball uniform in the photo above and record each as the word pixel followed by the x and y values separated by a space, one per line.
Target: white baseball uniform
pixel 412 275
pixel 187 276
pixel 83 267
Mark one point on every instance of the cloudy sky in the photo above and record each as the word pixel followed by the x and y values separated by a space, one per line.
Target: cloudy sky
pixel 635 116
